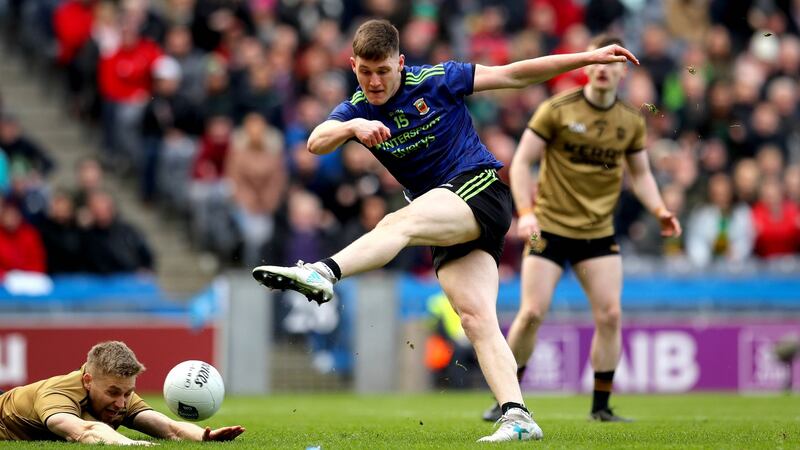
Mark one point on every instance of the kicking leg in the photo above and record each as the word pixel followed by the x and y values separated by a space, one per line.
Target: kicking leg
pixel 437 218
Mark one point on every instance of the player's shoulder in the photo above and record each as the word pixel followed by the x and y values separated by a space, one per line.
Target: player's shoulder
pixel 67 383
pixel 357 98
pixel 565 98
pixel 418 74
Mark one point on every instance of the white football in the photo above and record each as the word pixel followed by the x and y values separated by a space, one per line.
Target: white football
pixel 194 390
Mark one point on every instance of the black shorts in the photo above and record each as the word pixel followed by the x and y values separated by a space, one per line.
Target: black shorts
pixel 490 201
pixel 562 250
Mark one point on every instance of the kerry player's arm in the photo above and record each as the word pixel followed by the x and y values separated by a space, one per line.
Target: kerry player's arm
pixel 331 134
pixel 646 190
pixel 156 424
pixel 522 73
pixel 529 151
pixel 74 429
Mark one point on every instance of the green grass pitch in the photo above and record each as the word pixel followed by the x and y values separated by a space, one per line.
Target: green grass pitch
pixel 450 420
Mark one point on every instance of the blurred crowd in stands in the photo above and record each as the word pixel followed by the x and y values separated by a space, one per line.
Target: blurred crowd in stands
pixel 208 104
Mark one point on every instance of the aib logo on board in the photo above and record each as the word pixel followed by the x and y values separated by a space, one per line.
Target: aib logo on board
pixel 421 106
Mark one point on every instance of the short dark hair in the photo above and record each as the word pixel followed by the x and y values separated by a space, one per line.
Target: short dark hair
pixel 603 39
pixel 376 40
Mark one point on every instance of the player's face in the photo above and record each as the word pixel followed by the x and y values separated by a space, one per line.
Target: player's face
pixel 378 79
pixel 606 77
pixel 109 396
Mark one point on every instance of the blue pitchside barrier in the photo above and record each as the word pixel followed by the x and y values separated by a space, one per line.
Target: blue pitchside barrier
pixel 757 292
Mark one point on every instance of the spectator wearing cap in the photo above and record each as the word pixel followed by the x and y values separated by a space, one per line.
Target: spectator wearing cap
pixel 169 123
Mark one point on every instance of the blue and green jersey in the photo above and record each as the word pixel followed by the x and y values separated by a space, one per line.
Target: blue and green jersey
pixel 433 139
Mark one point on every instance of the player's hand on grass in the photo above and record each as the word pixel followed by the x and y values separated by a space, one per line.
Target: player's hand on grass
pixel 611 54
pixel 670 226
pixel 528 227
pixel 371 132
pixel 222 434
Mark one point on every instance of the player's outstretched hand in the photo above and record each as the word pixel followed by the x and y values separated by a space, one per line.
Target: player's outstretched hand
pixel 371 132
pixel 528 227
pixel 222 434
pixel 670 226
pixel 611 54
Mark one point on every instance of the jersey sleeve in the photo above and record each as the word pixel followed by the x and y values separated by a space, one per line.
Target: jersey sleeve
pixel 639 137
pixel 344 111
pixel 135 406
pixel 542 122
pixel 459 78
pixel 48 403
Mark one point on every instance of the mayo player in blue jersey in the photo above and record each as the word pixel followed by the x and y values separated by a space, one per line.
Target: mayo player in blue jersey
pixel 415 121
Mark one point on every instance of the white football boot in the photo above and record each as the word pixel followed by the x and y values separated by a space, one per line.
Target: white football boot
pixel 303 278
pixel 514 425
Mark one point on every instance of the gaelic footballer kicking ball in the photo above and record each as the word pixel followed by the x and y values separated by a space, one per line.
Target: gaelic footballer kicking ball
pixel 194 390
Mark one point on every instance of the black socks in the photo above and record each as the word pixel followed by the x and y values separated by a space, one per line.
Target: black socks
pixel 508 405
pixel 333 268
pixel 603 381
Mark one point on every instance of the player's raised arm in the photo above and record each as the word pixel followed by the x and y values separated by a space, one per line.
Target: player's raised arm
pixel 156 424
pixel 331 134
pixel 74 429
pixel 522 73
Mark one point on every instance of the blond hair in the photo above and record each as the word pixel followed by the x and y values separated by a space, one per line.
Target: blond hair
pixel 113 358
pixel 376 40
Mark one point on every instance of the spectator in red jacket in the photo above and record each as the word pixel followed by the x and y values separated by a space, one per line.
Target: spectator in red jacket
pixel 72 23
pixel 126 86
pixel 776 221
pixel 20 244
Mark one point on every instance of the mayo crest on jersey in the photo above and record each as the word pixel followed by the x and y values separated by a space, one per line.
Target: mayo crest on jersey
pixel 433 139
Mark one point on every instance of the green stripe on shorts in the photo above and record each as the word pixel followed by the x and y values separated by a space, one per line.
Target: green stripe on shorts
pixel 477 184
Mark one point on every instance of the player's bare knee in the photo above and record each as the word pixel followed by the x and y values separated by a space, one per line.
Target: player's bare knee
pixel 531 317
pixel 399 223
pixel 608 318
pixel 475 323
